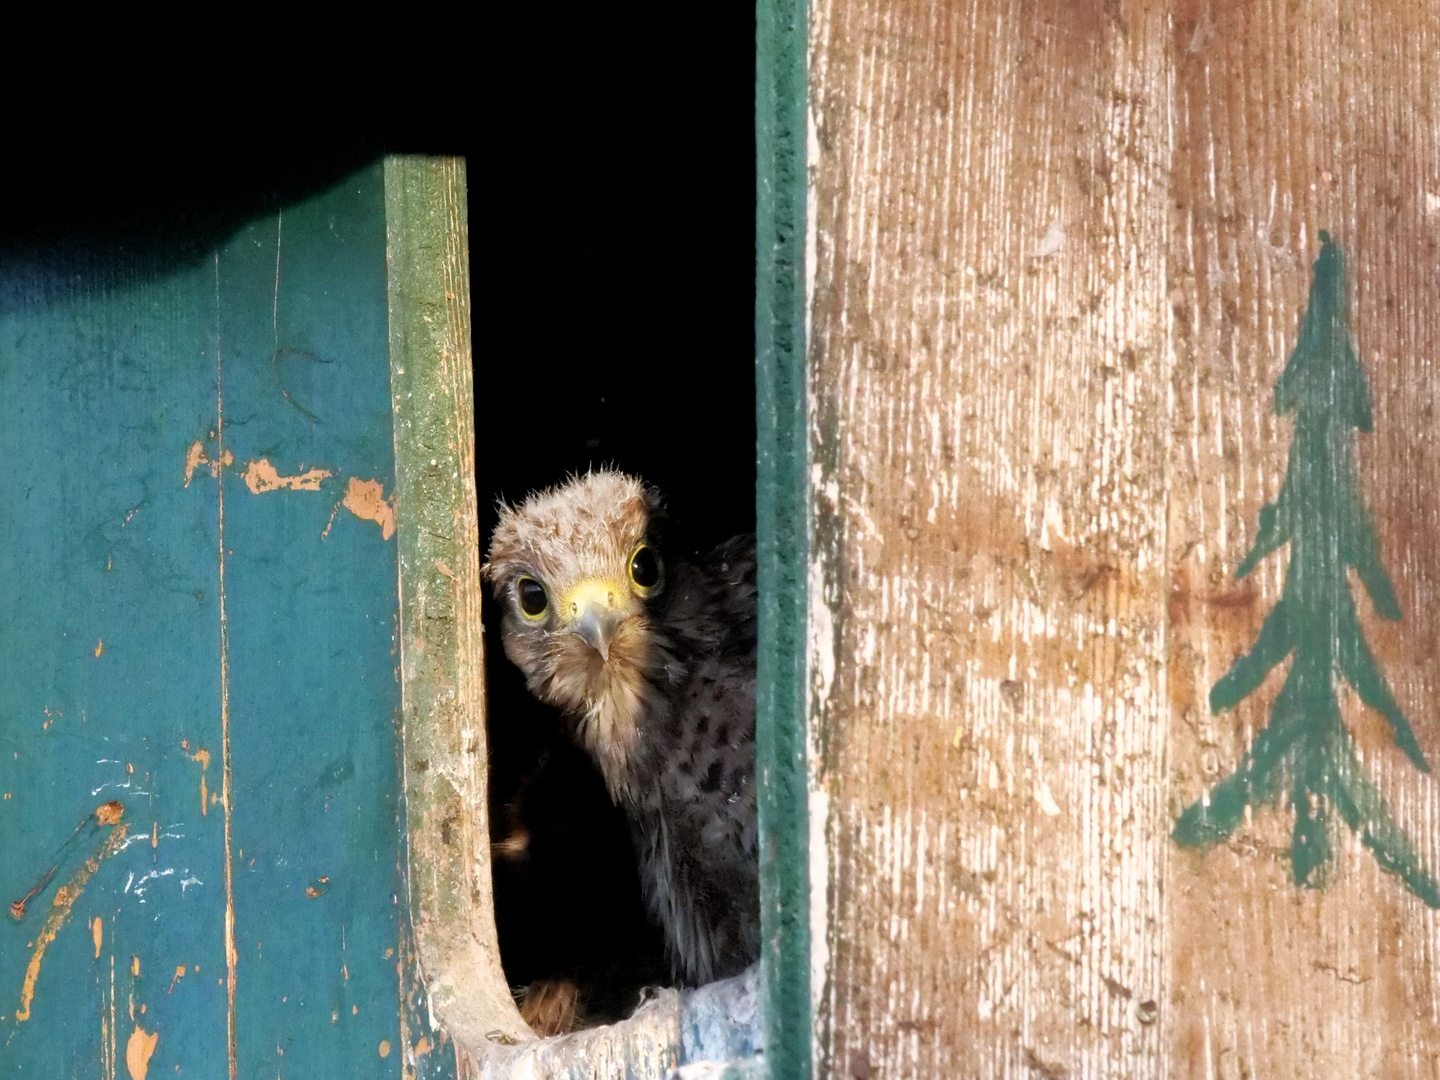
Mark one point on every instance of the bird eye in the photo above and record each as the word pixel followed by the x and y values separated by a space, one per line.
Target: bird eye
pixel 531 596
pixel 645 568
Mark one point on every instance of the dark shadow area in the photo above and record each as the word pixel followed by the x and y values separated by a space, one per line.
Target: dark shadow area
pixel 93 206
pixel 612 256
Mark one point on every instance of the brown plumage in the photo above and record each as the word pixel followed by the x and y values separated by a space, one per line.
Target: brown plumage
pixel 652 661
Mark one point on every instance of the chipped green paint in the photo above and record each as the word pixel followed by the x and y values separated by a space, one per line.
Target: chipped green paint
pixel 782 533
pixel 112 369
pixel 1319 513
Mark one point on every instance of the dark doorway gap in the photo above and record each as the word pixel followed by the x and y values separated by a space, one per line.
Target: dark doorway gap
pixel 613 263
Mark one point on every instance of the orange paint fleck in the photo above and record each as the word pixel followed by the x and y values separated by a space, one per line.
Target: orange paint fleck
pixel 384 1048
pixel 110 813
pixel 138 1051
pixel 389 953
pixel 203 757
pixel 194 458
pixel 424 1046
pixel 260 476
pixel 135 966
pixel 99 648
pixel 179 974
pixel 97 931
pixel 354 1010
pixel 155 834
pixel 366 500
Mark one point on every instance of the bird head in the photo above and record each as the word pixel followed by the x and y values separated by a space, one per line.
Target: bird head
pixel 574 568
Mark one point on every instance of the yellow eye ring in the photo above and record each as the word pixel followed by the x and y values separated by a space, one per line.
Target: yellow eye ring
pixel 646 570
pixel 531 599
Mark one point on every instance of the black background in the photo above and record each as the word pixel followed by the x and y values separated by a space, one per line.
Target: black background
pixel 611 206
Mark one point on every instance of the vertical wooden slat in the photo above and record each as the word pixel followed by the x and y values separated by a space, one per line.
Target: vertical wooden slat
pixel 1061 252
pixel 440 635
pixel 990 426
pixel 1290 120
pixel 782 534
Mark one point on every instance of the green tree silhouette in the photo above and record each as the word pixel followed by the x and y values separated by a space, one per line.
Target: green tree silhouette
pixel 1320 515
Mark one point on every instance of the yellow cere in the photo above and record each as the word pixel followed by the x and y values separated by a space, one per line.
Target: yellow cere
pixel 594 592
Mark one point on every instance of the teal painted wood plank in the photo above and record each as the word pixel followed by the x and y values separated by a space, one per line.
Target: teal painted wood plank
pixel 782 534
pixel 103 551
pixel 245 397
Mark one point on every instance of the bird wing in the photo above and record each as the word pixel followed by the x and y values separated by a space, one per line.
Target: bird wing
pixel 699 840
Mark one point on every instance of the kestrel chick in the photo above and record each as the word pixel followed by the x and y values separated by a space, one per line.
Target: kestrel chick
pixel 652 661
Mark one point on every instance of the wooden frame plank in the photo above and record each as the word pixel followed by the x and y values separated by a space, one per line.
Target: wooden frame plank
pixel 440 636
pixel 782 532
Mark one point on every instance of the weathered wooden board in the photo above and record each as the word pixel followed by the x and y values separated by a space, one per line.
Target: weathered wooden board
pixel 1060 257
pixel 1289 120
pixel 199 585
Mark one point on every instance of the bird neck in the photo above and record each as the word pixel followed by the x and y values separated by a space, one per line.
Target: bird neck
pixel 609 727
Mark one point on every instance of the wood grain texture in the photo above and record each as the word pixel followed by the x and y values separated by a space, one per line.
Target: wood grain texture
pixel 1059 256
pixel 441 639
pixel 1290 120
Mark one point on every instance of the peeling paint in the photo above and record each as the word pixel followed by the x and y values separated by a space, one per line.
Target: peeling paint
pixel 65 898
pixel 107 1029
pixel 231 955
pixel 203 757
pixel 138 1051
pixel 366 500
pixel 97 931
pixel 260 476
pixel 195 457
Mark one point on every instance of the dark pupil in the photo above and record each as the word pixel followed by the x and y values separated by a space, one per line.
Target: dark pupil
pixel 532 597
pixel 645 568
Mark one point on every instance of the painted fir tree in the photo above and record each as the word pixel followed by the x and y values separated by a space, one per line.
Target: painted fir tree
pixel 1319 513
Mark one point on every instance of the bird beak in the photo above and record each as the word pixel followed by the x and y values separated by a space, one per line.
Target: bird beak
pixel 593 616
